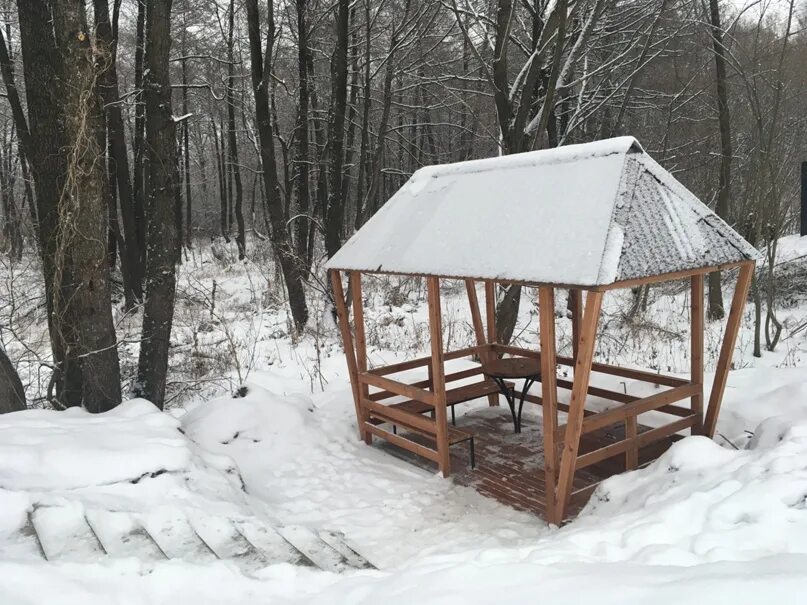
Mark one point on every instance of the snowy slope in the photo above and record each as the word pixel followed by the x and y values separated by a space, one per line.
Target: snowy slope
pixel 703 522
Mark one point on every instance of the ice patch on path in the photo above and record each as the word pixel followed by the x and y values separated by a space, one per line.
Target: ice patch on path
pixel 46 449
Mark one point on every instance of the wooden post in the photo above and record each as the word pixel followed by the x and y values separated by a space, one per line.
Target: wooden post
pixel 727 348
pixel 696 348
pixel 576 307
pixel 361 349
pixel 438 374
pixel 347 343
pixel 631 432
pixel 549 396
pixel 479 330
pixel 574 422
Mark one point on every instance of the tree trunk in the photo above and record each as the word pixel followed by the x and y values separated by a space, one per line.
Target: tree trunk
pixel 12 393
pixel 66 121
pixel 335 215
pixel 186 155
pixel 161 182
pixel 221 168
pixel 302 226
pixel 131 254
pixel 235 168
pixel 284 252
pixel 138 187
pixel 365 122
pixel 716 310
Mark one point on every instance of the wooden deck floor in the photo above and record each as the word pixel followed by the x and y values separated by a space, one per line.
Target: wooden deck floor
pixel 510 467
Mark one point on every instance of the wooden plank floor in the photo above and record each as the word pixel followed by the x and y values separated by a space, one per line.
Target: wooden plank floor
pixel 510 467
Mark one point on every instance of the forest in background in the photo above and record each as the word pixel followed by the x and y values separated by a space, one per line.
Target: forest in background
pixel 134 131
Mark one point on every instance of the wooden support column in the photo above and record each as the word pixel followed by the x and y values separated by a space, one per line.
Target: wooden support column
pixel 696 348
pixel 727 348
pixel 479 330
pixel 347 343
pixel 574 423
pixel 632 453
pixel 361 349
pixel 549 396
pixel 438 374
pixel 576 308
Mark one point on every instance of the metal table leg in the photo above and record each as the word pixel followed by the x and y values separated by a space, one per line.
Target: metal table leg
pixel 511 401
pixel 528 382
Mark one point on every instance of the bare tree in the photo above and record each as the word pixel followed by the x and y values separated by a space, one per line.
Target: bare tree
pixel 161 188
pixel 261 62
pixel 66 124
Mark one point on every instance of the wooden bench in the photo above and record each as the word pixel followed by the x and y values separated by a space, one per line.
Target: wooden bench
pixel 455 436
pixel 454 396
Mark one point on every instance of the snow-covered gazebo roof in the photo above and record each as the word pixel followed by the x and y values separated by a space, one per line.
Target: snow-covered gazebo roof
pixel 579 215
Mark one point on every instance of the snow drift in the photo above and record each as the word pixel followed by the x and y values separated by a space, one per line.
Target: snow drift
pixel 46 449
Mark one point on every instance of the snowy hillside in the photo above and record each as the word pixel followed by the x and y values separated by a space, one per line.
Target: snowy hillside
pixel 706 522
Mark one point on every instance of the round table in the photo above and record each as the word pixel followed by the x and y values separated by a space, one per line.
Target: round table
pixel 518 368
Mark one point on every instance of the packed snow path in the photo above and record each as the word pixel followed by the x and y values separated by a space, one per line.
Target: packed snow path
pixel 71 533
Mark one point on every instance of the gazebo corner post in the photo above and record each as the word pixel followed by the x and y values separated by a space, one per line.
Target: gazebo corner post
pixel 696 348
pixel 361 353
pixel 549 396
pixel 438 375
pixel 347 344
pixel 574 422
pixel 479 331
pixel 727 347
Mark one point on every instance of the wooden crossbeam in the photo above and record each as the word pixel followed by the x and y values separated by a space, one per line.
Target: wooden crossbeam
pixel 635 442
pixel 404 443
pixel 420 362
pixel 398 388
pixel 396 416
pixel 425 384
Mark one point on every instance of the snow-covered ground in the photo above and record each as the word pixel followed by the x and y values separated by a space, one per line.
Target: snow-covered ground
pixel 705 523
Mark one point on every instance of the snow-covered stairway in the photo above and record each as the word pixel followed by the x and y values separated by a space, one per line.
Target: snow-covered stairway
pixel 70 532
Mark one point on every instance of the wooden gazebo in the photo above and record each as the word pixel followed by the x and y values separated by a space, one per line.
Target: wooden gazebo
pixel 588 218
